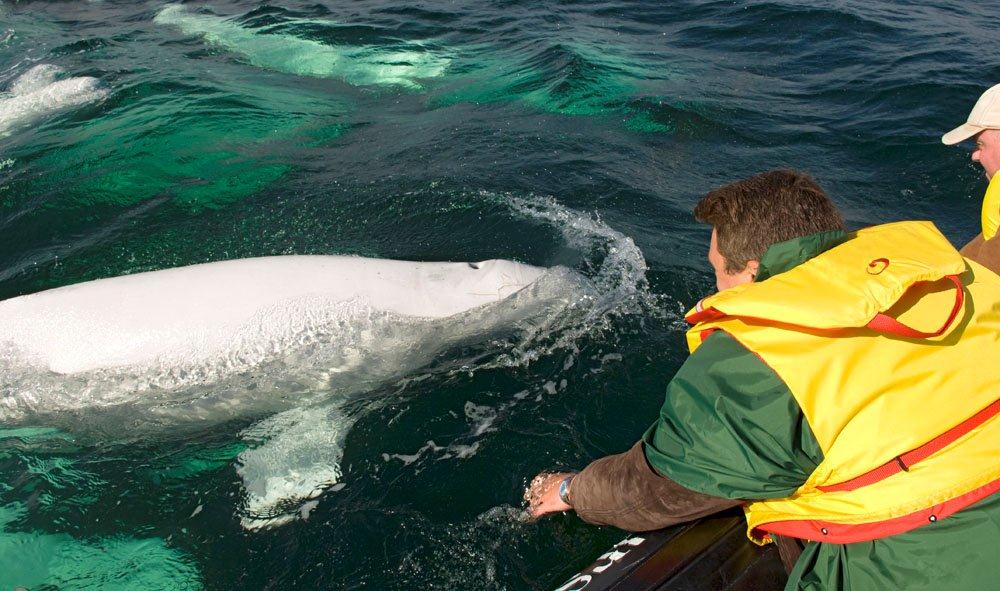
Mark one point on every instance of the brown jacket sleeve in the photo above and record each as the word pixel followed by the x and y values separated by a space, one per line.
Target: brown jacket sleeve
pixel 625 491
pixel 984 252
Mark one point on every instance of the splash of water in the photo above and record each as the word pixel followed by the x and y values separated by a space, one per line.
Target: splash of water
pixel 616 271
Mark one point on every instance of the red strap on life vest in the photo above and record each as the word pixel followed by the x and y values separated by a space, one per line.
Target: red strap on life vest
pixel 880 323
pixel 887 324
pixel 844 533
pixel 705 315
pixel 903 462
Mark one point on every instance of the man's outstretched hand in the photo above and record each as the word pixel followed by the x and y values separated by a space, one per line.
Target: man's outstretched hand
pixel 543 494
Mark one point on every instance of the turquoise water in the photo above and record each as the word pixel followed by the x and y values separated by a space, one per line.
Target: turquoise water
pixel 579 134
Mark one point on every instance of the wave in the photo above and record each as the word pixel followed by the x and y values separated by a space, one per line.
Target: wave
pixel 568 78
pixel 199 145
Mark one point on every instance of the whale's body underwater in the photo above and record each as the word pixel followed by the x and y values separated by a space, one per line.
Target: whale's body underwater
pixel 38 92
pixel 269 48
pixel 168 349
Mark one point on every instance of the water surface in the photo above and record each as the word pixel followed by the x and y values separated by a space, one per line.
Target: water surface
pixel 578 134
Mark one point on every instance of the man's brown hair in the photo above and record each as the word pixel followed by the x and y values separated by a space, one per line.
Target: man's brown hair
pixel 752 214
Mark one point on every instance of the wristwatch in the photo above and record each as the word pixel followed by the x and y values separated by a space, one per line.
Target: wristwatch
pixel 564 489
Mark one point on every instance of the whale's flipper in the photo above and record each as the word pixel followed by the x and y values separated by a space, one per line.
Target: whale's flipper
pixel 298 458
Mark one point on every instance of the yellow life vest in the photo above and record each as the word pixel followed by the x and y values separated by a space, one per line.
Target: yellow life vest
pixel 890 344
pixel 991 208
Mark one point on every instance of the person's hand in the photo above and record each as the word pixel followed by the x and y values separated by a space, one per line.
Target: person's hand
pixel 543 494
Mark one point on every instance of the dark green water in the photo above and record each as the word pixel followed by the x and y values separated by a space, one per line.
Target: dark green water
pixel 577 134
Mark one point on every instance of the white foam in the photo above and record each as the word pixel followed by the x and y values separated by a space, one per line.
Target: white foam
pixel 408 459
pixel 481 417
pixel 461 451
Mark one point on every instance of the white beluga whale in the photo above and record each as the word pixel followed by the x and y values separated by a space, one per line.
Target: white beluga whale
pixel 405 65
pixel 188 315
pixel 287 340
pixel 38 92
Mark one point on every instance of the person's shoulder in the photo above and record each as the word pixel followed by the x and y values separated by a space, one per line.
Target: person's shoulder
pixel 972 246
pixel 730 427
pixel 983 251
pixel 718 347
pixel 724 379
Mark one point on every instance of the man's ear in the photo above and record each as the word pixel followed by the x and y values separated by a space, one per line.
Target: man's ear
pixel 753 267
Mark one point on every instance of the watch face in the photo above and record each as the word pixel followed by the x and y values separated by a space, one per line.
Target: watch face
pixel 564 489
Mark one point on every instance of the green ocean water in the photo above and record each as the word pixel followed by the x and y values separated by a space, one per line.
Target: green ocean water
pixel 579 134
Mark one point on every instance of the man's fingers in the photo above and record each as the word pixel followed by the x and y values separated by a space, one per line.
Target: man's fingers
pixel 534 492
pixel 541 494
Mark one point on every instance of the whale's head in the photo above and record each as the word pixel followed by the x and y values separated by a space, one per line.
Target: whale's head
pixel 497 277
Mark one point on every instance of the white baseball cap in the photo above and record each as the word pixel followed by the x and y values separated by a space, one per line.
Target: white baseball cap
pixel 985 115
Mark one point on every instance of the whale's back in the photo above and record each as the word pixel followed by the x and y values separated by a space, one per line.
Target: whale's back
pixel 187 312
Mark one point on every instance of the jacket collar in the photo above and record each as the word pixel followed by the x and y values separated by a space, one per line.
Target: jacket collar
pixel 785 256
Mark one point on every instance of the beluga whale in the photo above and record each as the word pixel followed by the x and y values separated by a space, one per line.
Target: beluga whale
pixel 39 92
pixel 284 342
pixel 271 47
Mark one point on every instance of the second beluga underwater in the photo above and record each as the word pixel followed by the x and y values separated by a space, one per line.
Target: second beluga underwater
pixel 285 340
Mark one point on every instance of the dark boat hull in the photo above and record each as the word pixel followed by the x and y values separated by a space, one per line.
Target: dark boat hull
pixel 710 554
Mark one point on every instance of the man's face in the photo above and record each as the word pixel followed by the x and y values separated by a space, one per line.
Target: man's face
pixel 987 151
pixel 723 278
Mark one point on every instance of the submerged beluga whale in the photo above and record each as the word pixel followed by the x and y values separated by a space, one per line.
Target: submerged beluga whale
pixel 39 92
pixel 173 349
pixel 401 64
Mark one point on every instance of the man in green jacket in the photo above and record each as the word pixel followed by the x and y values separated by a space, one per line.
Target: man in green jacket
pixel 731 432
